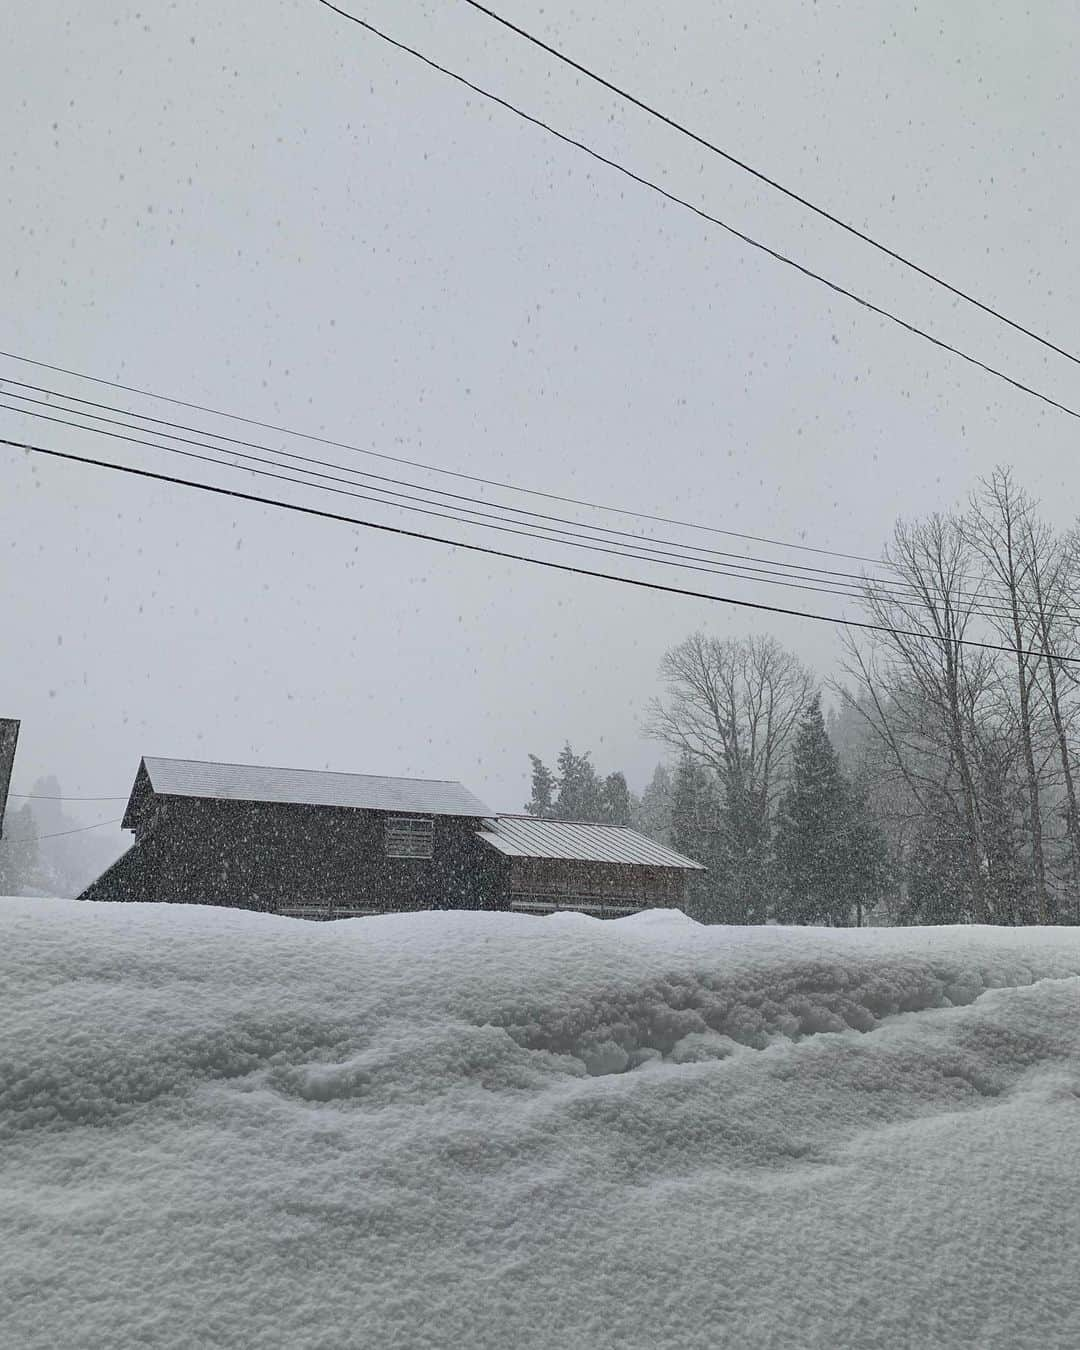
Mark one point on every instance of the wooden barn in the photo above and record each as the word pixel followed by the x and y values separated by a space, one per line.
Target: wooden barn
pixel 314 844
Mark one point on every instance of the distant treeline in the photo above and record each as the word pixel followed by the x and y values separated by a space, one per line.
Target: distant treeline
pixel 942 786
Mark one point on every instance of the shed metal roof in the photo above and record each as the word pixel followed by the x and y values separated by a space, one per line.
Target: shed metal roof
pixel 310 787
pixel 577 841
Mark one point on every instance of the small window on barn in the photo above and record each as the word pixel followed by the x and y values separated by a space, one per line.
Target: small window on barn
pixel 409 837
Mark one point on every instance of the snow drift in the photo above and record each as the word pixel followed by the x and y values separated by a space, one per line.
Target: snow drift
pixel 441 1130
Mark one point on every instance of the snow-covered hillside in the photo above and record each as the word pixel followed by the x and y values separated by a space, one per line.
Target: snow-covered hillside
pixel 457 1130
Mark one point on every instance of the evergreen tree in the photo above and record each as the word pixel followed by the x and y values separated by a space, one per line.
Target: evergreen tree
pixel 937 884
pixel 693 833
pixel 652 812
pixel 580 796
pixel 863 855
pixel 542 801
pixel 690 802
pixel 576 792
pixel 616 800
pixel 741 862
pixel 824 846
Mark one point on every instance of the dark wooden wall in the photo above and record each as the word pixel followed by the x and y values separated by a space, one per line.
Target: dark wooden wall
pixel 268 856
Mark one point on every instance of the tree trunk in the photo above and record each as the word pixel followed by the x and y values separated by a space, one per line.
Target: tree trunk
pixel 1072 820
pixel 1059 584
pixel 1001 522
pixel 1023 681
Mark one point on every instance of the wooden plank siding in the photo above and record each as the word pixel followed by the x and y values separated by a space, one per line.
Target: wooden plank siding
pixel 281 856
pixel 544 883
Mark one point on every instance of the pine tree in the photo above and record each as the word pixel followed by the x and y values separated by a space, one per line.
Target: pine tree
pixel 937 885
pixel 863 855
pixel 576 792
pixel 616 800
pixel 741 859
pixel 542 801
pixel 689 806
pixel 813 848
pixel 652 811
pixel 579 787
pixel 694 811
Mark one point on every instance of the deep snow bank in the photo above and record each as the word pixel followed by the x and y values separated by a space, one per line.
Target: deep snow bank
pixel 226 1129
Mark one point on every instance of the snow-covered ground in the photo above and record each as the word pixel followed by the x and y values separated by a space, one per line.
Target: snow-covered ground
pixel 462 1130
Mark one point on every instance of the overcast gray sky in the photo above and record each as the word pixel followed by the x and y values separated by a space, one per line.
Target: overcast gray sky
pixel 261 207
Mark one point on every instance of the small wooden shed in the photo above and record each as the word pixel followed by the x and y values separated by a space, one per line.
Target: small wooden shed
pixel 602 870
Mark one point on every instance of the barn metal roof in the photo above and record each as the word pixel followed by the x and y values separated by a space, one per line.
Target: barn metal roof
pixel 577 841
pixel 309 787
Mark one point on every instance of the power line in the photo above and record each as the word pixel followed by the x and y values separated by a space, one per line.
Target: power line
pixel 434 468
pixel 322 514
pixel 57 834
pixel 763 177
pixel 849 585
pixel 573 540
pixel 737 562
pixel 705 215
pixel 569 539
pixel 740 558
pixel 741 563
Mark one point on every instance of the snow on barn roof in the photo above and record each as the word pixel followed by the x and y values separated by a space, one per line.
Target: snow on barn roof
pixel 307 787
pixel 578 841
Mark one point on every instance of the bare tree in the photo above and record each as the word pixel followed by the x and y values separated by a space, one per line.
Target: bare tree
pixel 977 742
pixel 1002 527
pixel 920 689
pixel 1054 582
pixel 733 705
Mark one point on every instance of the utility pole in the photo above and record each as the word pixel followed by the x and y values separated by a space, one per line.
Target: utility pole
pixel 9 735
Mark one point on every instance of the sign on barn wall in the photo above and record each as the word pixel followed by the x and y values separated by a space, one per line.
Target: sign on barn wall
pixel 9 734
